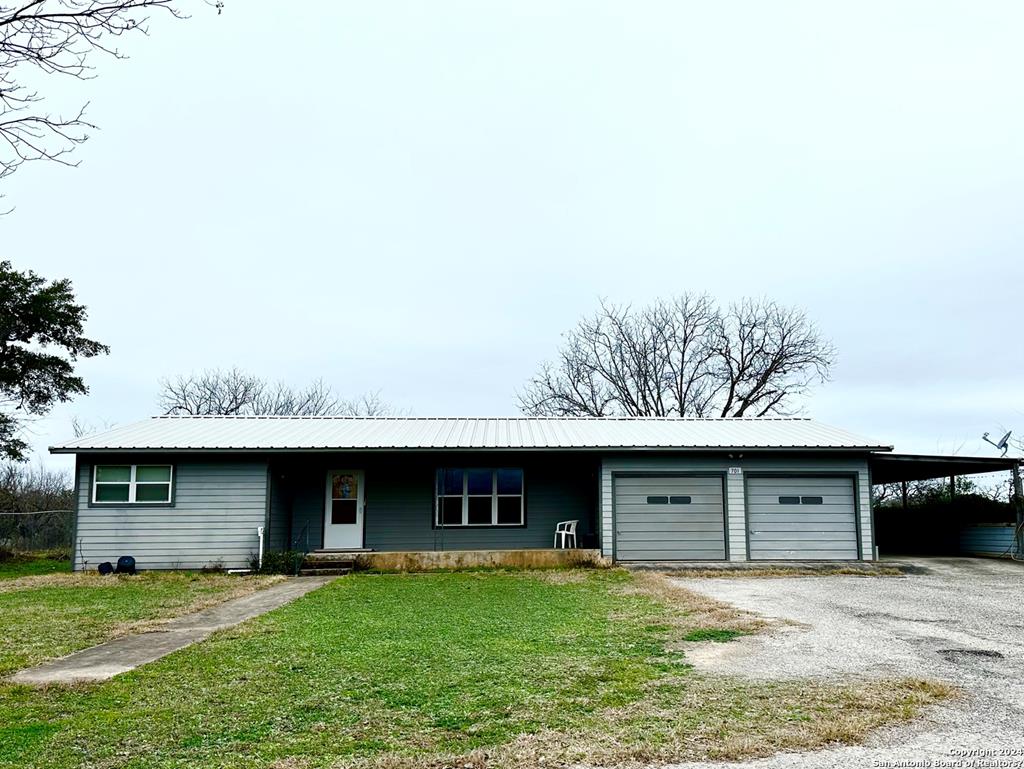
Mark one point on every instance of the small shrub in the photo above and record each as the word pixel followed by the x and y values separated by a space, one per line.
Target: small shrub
pixel 586 559
pixel 53 554
pixel 277 562
pixel 56 554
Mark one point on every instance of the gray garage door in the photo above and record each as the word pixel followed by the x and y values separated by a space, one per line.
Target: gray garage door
pixel 666 518
pixel 794 518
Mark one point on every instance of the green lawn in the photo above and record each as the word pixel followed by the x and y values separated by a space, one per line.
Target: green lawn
pixel 497 669
pixel 28 564
pixel 50 615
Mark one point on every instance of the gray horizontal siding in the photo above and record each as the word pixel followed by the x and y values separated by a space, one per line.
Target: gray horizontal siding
pixel 987 540
pixel 735 500
pixel 399 510
pixel 279 515
pixel 217 507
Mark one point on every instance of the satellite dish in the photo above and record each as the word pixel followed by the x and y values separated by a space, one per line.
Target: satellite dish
pixel 1003 444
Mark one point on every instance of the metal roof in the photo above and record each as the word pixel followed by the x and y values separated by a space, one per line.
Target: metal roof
pixel 272 433
pixel 892 468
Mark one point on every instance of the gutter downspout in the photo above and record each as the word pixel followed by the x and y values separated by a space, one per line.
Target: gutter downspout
pixel 259 533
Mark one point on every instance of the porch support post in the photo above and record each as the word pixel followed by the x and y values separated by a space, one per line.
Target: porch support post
pixel 1018 506
pixel 904 489
pixel 952 487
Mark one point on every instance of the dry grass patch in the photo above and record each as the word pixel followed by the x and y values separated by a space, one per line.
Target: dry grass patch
pixel 75 579
pixel 787 571
pixel 562 577
pixel 702 718
pixel 227 585
pixel 687 611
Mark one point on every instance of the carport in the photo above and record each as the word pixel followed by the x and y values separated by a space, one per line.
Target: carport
pixel 958 529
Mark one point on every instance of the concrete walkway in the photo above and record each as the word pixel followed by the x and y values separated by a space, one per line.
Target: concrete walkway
pixel 123 654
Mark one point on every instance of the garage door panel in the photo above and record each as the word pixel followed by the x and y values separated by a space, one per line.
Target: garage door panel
pixel 663 531
pixel 801 526
pixel 789 541
pixel 673 513
pixel 677 509
pixel 801 531
pixel 695 499
pixel 806 481
pixel 680 535
pixel 636 485
pixel 666 526
pixel 805 554
pixel 670 527
pixel 771 520
pixel 691 481
pixel 675 555
pixel 826 499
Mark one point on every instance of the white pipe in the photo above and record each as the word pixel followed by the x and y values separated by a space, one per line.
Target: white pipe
pixel 259 533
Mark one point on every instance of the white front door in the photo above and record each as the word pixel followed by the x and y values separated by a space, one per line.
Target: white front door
pixel 343 511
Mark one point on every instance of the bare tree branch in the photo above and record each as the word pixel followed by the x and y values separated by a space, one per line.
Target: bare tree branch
pixel 236 392
pixel 56 37
pixel 682 357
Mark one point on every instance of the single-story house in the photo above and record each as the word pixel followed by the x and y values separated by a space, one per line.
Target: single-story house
pixel 189 492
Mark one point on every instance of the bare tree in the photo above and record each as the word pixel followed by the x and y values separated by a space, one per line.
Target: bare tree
pixel 682 357
pixel 369 404
pixel 35 508
pixel 56 37
pixel 236 392
pixel 27 489
pixel 81 428
pixel 771 354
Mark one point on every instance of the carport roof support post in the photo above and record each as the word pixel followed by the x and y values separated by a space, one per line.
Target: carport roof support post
pixel 1018 505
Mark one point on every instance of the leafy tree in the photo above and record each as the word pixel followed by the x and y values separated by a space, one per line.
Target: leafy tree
pixel 41 337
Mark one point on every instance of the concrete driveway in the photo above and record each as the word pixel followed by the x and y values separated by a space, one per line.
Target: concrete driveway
pixel 962 622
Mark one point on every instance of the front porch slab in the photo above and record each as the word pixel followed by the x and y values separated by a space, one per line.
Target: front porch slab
pixel 444 560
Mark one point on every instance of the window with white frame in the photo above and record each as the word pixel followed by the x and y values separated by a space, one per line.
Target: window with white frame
pixel 131 484
pixel 479 496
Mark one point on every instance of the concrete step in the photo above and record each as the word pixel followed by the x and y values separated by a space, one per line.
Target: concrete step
pixel 325 571
pixel 328 563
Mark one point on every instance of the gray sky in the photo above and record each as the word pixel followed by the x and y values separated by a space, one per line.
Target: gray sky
pixel 420 197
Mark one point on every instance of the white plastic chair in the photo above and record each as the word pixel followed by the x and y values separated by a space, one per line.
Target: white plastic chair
pixel 566 531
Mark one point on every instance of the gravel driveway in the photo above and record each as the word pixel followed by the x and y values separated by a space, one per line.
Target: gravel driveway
pixel 961 622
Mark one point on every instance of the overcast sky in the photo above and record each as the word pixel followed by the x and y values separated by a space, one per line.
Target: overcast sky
pixel 421 197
